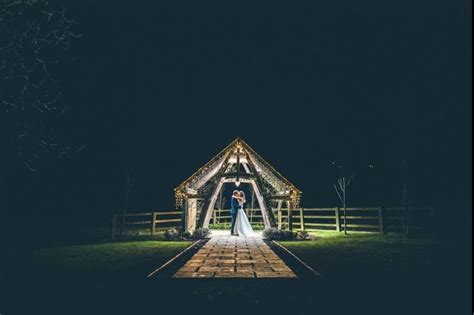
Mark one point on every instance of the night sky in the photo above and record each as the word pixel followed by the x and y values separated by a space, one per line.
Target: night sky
pixel 157 89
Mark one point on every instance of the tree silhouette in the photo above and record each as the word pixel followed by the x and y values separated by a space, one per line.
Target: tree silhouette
pixel 35 37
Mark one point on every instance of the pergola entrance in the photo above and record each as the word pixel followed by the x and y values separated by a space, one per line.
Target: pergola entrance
pixel 237 163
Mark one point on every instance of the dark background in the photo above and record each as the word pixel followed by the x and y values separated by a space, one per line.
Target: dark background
pixel 157 89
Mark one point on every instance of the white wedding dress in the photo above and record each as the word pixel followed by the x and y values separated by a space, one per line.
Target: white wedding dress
pixel 242 224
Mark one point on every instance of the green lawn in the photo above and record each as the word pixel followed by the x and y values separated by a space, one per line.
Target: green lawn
pixel 332 251
pixel 389 271
pixel 96 263
pixel 226 226
pixel 362 273
pixel 107 257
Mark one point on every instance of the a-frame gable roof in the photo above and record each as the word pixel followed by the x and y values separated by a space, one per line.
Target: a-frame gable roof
pixel 262 167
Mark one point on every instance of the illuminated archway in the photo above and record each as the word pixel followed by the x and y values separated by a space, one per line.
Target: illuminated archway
pixel 237 163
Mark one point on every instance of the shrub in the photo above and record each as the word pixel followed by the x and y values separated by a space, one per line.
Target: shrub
pixel 302 236
pixel 187 235
pixel 201 233
pixel 278 235
pixel 220 226
pixel 172 235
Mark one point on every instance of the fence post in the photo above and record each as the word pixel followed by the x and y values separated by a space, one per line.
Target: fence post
pixel 381 221
pixel 114 220
pixel 338 223
pixel 153 222
pixel 290 215
pixel 301 219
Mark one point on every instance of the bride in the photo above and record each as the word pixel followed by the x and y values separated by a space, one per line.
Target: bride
pixel 242 224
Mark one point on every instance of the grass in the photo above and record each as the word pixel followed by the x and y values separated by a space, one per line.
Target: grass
pixel 104 259
pixel 362 273
pixel 80 278
pixel 99 263
pixel 226 226
pixel 403 274
pixel 333 250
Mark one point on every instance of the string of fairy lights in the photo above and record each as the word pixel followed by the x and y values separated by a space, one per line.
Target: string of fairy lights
pixel 266 172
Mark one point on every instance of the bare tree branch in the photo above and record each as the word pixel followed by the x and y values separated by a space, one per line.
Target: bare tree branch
pixel 35 37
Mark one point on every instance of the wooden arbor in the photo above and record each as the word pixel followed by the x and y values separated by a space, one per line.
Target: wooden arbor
pixel 237 163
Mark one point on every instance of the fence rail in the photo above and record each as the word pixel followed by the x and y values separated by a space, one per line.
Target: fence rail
pixel 370 219
pixel 155 221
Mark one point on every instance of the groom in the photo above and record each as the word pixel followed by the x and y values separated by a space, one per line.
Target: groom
pixel 234 208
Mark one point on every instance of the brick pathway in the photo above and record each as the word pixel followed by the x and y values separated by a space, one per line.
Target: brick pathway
pixel 225 256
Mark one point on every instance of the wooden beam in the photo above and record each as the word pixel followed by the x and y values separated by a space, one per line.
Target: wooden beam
pixel 153 223
pixel 208 205
pixel 195 196
pixel 290 215
pixel 279 213
pixel 381 221
pixel 302 219
pixel 269 218
pixel 278 197
pixel 206 216
pixel 191 213
pixel 239 175
pixel 338 220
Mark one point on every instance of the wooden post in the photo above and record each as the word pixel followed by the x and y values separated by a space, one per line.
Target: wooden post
pixel 279 213
pixel 279 219
pixel 290 215
pixel 114 222
pixel 345 208
pixel 338 220
pixel 183 219
pixel 381 222
pixel 153 223
pixel 301 219
pixel 191 213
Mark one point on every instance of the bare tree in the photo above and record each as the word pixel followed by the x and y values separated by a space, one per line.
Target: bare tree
pixel 34 39
pixel 341 190
pixel 343 182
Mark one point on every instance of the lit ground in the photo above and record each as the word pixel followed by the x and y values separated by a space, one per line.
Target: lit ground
pixel 360 274
pixel 227 256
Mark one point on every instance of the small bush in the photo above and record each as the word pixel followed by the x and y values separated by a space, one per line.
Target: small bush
pixel 220 226
pixel 278 235
pixel 302 236
pixel 187 235
pixel 172 235
pixel 201 233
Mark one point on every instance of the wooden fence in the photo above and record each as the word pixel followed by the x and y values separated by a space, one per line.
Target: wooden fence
pixel 367 219
pixel 154 221
pixel 375 219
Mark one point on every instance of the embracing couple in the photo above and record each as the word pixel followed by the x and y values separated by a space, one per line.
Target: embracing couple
pixel 240 223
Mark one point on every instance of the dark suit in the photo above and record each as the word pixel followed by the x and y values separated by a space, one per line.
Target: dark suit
pixel 234 208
